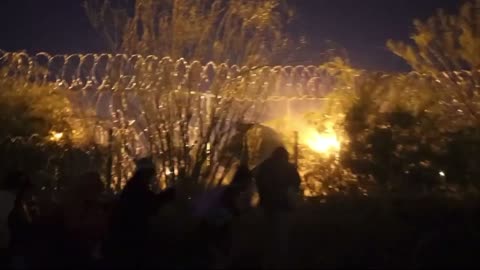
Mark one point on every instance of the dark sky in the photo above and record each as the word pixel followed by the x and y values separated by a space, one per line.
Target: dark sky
pixel 360 26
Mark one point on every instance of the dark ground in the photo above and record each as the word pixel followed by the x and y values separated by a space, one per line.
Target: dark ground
pixel 372 233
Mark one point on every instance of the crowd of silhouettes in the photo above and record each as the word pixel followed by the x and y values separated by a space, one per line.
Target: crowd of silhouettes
pixel 84 225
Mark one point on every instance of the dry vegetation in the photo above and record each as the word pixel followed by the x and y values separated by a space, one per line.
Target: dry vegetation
pixel 409 134
pixel 189 128
pixel 232 32
pixel 395 129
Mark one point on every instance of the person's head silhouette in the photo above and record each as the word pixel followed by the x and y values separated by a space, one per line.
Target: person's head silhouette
pixel 280 153
pixel 143 176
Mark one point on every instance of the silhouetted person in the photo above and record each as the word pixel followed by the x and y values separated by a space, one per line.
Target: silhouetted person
pixel 20 222
pixel 129 230
pixel 46 244
pixel 236 196
pixel 7 202
pixel 84 218
pixel 278 184
pixel 223 204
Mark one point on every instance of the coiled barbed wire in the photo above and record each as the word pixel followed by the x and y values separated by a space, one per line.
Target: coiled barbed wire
pixel 123 72
pixel 110 84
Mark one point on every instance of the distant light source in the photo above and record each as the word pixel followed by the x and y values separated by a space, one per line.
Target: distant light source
pixel 441 173
pixel 56 136
pixel 324 143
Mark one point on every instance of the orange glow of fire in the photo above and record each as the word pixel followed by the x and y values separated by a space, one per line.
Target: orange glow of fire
pixel 323 143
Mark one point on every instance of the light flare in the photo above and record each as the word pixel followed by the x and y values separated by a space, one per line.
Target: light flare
pixel 56 136
pixel 324 143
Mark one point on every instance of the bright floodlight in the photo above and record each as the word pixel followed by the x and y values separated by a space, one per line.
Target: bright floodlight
pixel 324 143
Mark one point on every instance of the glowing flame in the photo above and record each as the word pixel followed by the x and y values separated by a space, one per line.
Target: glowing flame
pixel 169 172
pixel 324 143
pixel 56 136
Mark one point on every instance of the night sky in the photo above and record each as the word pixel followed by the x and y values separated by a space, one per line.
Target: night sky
pixel 360 26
